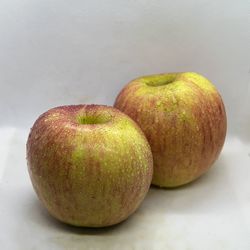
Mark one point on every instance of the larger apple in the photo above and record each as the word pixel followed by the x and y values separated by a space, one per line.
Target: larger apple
pixel 90 165
pixel 184 120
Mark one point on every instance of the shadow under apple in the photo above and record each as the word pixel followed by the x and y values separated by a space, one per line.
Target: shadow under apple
pixel 189 198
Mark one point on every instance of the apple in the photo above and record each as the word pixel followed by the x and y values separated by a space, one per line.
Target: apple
pixel 90 165
pixel 184 120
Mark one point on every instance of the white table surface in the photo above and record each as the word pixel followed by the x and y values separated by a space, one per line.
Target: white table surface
pixel 211 213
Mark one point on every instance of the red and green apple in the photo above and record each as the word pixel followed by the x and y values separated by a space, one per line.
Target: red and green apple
pixel 90 165
pixel 184 120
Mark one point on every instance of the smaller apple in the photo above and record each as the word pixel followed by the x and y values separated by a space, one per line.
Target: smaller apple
pixel 184 120
pixel 90 165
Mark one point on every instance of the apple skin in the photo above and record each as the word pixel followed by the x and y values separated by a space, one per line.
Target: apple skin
pixel 184 120
pixel 90 165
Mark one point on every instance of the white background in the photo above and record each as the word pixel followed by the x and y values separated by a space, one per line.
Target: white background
pixel 68 52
